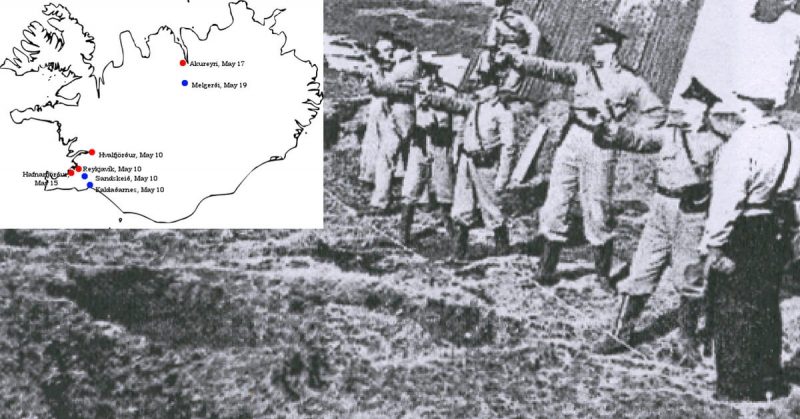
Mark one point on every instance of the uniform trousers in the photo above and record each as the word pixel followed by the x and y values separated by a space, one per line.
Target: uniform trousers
pixel 371 142
pixel 393 133
pixel 746 310
pixel 670 238
pixel 475 195
pixel 580 168
pixel 428 173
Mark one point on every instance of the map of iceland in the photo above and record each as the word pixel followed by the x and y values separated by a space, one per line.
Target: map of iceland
pixel 178 117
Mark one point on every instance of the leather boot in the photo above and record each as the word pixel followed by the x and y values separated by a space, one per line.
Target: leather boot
pixel 501 241
pixel 448 220
pixel 603 259
pixel 406 220
pixel 548 262
pixel 630 308
pixel 688 339
pixel 709 308
pixel 460 240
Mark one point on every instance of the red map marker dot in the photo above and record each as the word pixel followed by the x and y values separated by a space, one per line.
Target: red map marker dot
pixel 91 152
pixel 71 172
pixel 183 63
pixel 78 169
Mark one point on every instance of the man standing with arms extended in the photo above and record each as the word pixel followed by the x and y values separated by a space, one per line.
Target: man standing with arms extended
pixel 753 206
pixel 687 147
pixel 430 167
pixel 510 31
pixel 398 87
pixel 381 61
pixel 583 166
pixel 486 151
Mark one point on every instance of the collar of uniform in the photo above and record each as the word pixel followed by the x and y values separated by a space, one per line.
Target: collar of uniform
pixel 612 66
pixel 767 121
pixel 511 13
pixel 683 126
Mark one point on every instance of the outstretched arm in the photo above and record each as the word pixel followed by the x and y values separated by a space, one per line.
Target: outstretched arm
pixel 448 103
pixel 401 92
pixel 635 139
pixel 546 69
pixel 399 84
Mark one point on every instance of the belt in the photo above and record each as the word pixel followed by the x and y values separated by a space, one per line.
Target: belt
pixel 483 158
pixel 573 120
pixel 669 193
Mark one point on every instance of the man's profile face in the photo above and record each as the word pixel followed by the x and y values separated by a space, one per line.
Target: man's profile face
pixel 692 112
pixel 604 52
pixel 747 110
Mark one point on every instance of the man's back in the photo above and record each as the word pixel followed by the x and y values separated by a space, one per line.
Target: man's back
pixel 750 165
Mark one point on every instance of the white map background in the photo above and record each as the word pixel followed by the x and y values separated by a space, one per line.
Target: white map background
pixel 285 194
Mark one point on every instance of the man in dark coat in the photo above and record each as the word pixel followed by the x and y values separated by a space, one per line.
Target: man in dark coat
pixel 745 243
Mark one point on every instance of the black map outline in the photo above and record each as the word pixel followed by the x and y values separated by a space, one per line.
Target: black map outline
pixel 314 107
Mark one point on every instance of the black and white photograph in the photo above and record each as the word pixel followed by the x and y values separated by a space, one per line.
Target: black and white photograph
pixel 609 185
pixel 475 209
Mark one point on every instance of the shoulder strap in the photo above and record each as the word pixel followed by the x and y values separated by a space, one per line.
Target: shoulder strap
pixel 596 77
pixel 692 161
pixel 782 176
pixel 477 124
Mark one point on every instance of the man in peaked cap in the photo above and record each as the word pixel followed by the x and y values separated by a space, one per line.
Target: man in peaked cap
pixel 429 172
pixel 397 87
pixel 686 150
pixel 379 57
pixel 584 166
pixel 380 54
pixel 746 247
pixel 486 153
pixel 510 31
pixel 511 26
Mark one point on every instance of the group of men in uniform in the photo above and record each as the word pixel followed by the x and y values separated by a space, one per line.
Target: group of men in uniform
pixel 718 209
pixel 450 141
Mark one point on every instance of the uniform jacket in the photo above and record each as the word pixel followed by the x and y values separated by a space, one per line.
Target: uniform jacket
pixel 431 116
pixel 745 178
pixel 684 157
pixel 488 126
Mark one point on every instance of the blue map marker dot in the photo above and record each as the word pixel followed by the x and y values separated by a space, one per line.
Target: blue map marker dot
pixel 84 176
pixel 90 185
pixel 185 83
